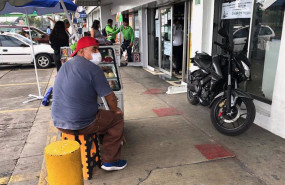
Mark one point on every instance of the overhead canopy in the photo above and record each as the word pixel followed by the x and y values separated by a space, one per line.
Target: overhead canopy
pixel 52 3
pixel 34 6
pixel 40 6
pixel 13 3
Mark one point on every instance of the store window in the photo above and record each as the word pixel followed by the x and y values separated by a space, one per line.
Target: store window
pixel 265 41
pixel 236 15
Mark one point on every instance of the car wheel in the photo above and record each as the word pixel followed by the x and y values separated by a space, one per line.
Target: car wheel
pixel 43 60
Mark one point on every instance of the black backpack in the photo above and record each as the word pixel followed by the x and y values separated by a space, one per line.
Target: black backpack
pixel 104 32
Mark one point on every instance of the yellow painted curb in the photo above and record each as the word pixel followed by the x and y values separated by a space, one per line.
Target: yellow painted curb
pixel 20 84
pixel 17 110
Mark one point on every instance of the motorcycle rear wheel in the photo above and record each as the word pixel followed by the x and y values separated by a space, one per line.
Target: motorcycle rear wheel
pixel 227 124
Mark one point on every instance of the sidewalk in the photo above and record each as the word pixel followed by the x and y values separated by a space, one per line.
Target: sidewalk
pixel 170 142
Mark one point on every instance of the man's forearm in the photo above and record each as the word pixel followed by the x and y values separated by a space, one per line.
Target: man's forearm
pixel 112 101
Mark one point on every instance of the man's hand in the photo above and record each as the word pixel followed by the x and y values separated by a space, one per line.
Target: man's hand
pixel 49 18
pixel 118 111
pixel 131 44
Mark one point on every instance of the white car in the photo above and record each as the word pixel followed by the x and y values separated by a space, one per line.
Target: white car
pixel 241 35
pixel 16 49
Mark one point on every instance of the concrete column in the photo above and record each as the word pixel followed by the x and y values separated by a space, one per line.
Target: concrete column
pixel 144 38
pixel 202 26
pixel 197 27
pixel 208 21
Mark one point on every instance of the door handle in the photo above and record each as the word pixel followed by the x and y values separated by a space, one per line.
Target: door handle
pixel 5 50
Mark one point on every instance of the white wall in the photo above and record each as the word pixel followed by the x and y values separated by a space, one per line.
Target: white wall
pixel 208 20
pixel 105 15
pixel 202 26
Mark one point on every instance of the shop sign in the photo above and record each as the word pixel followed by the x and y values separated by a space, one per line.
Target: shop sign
pixel 83 14
pixel 237 9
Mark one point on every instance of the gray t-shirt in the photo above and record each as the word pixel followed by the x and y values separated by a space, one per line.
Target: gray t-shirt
pixel 78 84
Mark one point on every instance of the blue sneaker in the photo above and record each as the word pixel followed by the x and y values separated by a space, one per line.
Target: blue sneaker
pixel 119 165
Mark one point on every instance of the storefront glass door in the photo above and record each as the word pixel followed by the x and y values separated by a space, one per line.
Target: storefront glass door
pixel 165 40
pixel 153 37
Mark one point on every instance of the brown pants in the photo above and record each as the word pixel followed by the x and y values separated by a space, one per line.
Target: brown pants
pixel 112 126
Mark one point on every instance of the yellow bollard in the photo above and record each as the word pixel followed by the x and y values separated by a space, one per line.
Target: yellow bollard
pixel 63 163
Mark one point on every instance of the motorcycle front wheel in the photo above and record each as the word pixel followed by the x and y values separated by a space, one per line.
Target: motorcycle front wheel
pixel 191 98
pixel 237 121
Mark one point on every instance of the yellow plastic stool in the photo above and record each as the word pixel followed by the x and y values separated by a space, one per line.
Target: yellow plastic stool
pixel 63 163
pixel 90 153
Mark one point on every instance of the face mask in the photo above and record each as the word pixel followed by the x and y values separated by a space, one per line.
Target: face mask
pixel 96 58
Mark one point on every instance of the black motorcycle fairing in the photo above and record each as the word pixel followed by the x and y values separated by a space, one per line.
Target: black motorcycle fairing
pixel 243 58
pixel 235 93
pixel 203 60
pixel 198 79
pixel 217 62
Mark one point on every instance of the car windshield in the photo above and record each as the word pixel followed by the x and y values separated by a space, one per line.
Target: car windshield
pixel 25 39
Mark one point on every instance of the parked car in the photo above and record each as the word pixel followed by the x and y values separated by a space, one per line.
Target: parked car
pixel 240 37
pixel 37 34
pixel 16 49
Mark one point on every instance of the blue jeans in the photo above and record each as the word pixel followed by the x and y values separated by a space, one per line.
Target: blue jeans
pixel 126 46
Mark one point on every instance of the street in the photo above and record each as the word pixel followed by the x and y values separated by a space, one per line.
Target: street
pixel 17 119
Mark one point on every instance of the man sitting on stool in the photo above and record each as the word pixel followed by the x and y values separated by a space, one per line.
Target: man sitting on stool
pixel 75 109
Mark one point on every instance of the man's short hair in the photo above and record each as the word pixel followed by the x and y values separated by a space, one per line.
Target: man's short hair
pixel 110 21
pixel 126 20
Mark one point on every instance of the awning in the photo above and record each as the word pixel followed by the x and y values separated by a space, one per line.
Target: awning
pixel 88 2
pixel 117 5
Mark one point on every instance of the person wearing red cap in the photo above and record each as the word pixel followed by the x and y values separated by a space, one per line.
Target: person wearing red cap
pixel 75 109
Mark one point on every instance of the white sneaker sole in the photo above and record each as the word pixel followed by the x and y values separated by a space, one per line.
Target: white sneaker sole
pixel 113 168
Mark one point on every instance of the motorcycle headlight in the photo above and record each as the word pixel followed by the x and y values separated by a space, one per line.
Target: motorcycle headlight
pixel 246 69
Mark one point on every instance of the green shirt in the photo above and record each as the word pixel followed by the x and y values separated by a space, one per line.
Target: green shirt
pixel 109 30
pixel 128 33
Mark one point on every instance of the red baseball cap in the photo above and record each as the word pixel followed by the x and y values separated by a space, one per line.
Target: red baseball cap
pixel 85 42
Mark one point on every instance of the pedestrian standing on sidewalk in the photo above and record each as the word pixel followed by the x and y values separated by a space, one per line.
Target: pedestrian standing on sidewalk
pixel 95 33
pixel 109 30
pixel 177 45
pixel 128 34
pixel 48 30
pixel 75 108
pixel 58 38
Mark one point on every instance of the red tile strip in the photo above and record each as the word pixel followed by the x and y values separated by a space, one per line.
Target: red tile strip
pixel 153 91
pixel 214 151
pixel 166 112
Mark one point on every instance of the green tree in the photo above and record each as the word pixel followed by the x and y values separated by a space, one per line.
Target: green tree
pixel 34 21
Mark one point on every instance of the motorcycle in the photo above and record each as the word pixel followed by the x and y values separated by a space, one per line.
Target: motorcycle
pixel 215 84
